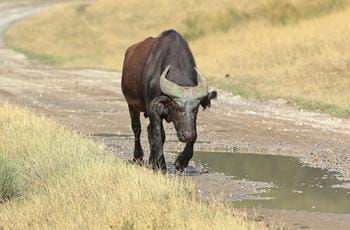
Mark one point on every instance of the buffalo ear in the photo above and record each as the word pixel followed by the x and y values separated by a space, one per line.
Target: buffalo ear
pixel 160 106
pixel 205 102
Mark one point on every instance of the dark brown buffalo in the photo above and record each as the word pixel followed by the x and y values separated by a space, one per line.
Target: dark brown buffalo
pixel 160 79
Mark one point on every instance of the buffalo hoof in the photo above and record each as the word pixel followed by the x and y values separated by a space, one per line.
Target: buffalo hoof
pixel 157 168
pixel 139 162
pixel 179 167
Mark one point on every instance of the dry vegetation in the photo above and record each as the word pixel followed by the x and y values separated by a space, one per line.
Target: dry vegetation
pixel 56 179
pixel 21 1
pixel 292 49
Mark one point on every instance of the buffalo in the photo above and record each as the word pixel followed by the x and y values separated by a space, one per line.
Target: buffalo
pixel 161 80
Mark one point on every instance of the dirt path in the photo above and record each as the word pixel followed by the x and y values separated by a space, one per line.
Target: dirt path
pixel 91 102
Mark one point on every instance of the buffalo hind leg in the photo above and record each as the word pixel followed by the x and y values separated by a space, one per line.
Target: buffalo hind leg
pixel 136 128
pixel 184 158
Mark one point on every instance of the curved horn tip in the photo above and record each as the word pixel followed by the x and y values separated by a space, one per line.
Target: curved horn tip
pixel 165 72
pixel 168 87
pixel 167 69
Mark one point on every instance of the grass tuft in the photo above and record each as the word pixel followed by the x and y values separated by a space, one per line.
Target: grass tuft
pixel 8 180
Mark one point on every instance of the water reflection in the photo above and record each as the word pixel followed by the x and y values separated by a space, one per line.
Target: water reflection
pixel 298 187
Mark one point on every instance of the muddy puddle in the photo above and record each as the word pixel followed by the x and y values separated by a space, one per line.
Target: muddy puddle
pixel 297 187
pixel 113 136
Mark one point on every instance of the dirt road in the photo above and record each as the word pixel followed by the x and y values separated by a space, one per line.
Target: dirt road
pixel 91 102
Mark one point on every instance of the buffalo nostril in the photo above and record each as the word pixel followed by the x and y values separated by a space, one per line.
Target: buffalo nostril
pixel 188 135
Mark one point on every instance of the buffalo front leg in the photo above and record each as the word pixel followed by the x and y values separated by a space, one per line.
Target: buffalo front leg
pixel 163 141
pixel 136 128
pixel 156 137
pixel 184 158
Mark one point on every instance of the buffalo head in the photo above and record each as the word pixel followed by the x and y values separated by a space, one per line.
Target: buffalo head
pixel 180 105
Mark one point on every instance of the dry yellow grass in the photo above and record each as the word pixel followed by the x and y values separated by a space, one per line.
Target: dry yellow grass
pixel 68 182
pixel 291 49
pixel 308 62
pixel 21 1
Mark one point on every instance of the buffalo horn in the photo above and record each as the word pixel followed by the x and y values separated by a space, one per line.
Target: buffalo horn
pixel 174 90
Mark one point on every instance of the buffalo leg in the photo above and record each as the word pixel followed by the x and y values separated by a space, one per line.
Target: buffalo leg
pixel 136 128
pixel 156 138
pixel 162 160
pixel 182 161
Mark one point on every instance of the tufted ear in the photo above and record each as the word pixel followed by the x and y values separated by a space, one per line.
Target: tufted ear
pixel 205 102
pixel 160 106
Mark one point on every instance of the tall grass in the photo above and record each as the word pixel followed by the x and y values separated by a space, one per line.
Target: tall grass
pixel 8 180
pixel 68 182
pixel 22 1
pixel 275 12
pixel 305 63
pixel 291 49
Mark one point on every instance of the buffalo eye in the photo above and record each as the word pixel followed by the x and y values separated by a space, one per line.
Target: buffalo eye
pixel 181 110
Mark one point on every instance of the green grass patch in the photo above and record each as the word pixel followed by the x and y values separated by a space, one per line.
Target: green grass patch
pixel 322 107
pixel 246 91
pixel 43 58
pixel 9 186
